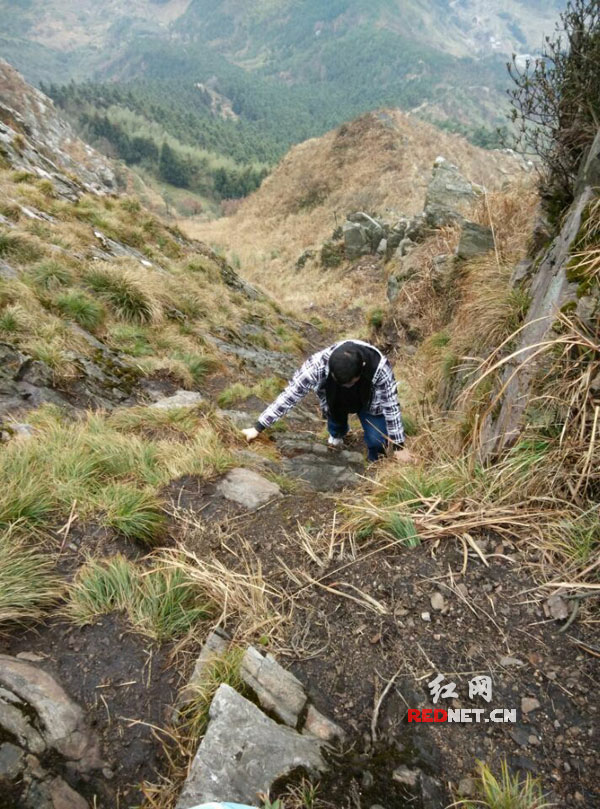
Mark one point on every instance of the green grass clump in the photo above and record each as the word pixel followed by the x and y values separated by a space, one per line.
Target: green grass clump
pixel 414 487
pixel 19 248
pixel 51 275
pixel 198 365
pixel 28 585
pixel 125 293
pixel 233 394
pixel 159 602
pixel 135 513
pixel 133 340
pixel 223 669
pixel 80 307
pixel 404 530
pixel 507 792
pixel 112 474
pixel 266 389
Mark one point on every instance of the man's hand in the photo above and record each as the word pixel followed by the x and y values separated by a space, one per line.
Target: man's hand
pixel 251 433
pixel 403 456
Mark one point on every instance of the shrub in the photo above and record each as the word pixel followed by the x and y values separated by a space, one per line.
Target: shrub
pixel 556 100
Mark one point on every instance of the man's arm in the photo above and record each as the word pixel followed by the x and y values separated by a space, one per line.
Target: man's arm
pixel 306 378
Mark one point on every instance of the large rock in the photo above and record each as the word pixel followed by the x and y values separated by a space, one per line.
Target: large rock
pixel 362 234
pixel 181 398
pixel 475 240
pixel 277 690
pixel 60 720
pixel 550 290
pixel 449 195
pixel 247 488
pixel 243 753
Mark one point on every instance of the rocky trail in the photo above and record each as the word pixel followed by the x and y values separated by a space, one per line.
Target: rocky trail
pixel 368 625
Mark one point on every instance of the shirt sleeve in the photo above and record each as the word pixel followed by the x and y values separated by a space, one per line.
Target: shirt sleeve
pixel 304 380
pixel 390 405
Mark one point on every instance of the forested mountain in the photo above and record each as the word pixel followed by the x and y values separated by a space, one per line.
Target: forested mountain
pixel 238 83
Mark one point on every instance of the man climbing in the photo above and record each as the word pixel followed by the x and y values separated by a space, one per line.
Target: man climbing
pixel 348 377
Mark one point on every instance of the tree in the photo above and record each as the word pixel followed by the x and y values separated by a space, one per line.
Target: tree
pixel 556 100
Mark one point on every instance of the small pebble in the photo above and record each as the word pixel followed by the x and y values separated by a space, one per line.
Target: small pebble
pixel 426 616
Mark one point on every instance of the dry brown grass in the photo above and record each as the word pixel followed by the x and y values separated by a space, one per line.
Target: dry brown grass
pixel 381 162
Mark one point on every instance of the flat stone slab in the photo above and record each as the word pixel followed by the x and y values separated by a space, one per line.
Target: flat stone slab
pixel 181 398
pixel 320 473
pixel 277 689
pixel 247 488
pixel 243 753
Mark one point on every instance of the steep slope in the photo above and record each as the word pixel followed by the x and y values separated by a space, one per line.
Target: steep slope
pixel 380 163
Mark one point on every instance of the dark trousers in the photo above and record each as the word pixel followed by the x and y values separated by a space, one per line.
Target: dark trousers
pixel 375 430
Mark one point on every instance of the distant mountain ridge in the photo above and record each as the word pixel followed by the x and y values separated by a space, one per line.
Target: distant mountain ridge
pixel 283 70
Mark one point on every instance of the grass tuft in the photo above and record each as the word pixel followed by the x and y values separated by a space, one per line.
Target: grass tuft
pixel 28 584
pixel 81 308
pixel 125 293
pixel 507 792
pixel 159 602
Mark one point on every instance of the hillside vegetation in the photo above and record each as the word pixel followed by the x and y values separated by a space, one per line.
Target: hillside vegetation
pixel 231 87
pixel 380 163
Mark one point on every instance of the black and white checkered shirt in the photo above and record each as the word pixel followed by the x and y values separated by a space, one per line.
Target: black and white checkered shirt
pixel 313 374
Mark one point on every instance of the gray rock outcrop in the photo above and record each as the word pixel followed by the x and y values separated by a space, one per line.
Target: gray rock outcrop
pixel 449 195
pixel 277 690
pixel 181 398
pixel 35 138
pixel 243 752
pixel 44 725
pixel 475 240
pixel 550 289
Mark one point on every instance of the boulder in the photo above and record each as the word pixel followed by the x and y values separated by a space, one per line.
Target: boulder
pixel 60 720
pixel 243 753
pixel 247 488
pixel 277 690
pixel 475 240
pixel 215 645
pixel 449 195
pixel 181 398
pixel 357 241
pixel 362 234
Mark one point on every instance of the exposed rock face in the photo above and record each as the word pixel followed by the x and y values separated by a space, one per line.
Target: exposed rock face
pixel 26 383
pixel 362 235
pixel 42 720
pixel 475 240
pixel 35 138
pixel 550 290
pixel 322 469
pixel 277 689
pixel 181 398
pixel 449 195
pixel 243 752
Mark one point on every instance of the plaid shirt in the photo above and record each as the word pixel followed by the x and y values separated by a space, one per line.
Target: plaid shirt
pixel 313 374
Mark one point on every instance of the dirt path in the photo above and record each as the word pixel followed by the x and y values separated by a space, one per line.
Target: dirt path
pixel 373 625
